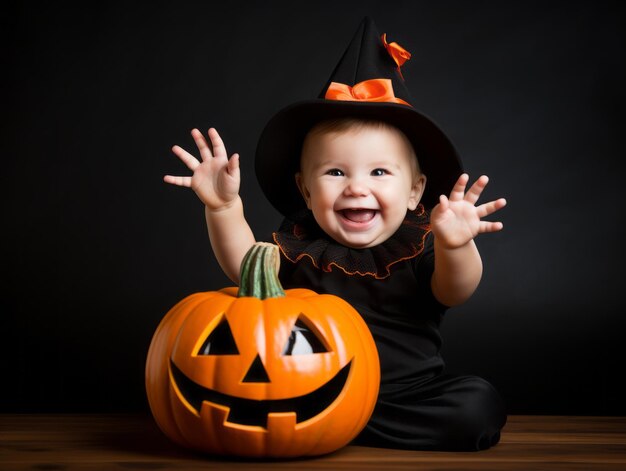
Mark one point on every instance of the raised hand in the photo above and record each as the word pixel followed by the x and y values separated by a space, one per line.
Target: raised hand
pixel 216 179
pixel 457 220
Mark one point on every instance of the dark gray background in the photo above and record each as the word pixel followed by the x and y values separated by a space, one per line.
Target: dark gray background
pixel 96 248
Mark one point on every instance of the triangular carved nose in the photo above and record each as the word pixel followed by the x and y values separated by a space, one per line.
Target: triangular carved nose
pixel 256 373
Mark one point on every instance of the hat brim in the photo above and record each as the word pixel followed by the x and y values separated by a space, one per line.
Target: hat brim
pixel 279 147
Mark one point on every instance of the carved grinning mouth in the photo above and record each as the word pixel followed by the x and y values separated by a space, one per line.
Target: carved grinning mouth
pixel 254 412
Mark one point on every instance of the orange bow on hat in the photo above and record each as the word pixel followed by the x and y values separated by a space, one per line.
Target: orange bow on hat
pixel 377 90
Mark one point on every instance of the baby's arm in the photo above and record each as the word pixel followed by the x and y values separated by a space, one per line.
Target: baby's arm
pixel 455 222
pixel 216 182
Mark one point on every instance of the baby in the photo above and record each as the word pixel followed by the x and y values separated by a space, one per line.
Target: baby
pixel 363 221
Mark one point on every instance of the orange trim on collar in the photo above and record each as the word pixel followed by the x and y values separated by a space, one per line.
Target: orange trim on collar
pixel 328 267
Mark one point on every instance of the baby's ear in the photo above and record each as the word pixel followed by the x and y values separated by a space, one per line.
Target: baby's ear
pixel 303 189
pixel 417 190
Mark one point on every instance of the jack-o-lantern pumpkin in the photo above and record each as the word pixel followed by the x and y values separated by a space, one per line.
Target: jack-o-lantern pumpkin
pixel 260 371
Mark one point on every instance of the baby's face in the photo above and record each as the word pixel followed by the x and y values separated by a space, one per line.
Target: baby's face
pixel 359 183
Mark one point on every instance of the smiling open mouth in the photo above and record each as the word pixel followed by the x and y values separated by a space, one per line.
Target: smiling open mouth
pixel 358 215
pixel 254 412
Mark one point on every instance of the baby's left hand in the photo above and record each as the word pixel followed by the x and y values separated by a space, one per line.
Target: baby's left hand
pixel 456 220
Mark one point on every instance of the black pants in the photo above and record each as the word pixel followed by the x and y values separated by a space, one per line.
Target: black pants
pixel 462 413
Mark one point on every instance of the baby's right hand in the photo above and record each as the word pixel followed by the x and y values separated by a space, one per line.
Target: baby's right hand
pixel 216 179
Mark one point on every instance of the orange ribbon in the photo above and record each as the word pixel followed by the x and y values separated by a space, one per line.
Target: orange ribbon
pixel 375 90
pixel 397 53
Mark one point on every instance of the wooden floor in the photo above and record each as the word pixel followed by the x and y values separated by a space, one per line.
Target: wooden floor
pixel 127 442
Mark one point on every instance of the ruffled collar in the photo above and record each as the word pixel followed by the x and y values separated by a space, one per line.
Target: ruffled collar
pixel 300 236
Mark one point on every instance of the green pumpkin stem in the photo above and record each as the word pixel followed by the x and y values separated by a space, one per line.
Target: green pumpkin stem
pixel 259 272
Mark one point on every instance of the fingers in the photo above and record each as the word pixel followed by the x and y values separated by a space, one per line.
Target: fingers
pixel 490 208
pixel 458 194
pixel 487 209
pixel 233 165
pixel 458 191
pixel 201 144
pixel 215 150
pixel 444 203
pixel 217 147
pixel 219 150
pixel 476 189
pixel 472 195
pixel 179 181
pixel 189 160
pixel 487 226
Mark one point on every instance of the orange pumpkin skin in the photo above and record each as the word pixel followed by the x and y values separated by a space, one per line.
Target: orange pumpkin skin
pixel 261 328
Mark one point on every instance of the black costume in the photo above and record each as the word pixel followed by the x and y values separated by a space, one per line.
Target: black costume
pixel 418 407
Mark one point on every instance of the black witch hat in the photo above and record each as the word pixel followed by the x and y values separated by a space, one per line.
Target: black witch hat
pixel 367 84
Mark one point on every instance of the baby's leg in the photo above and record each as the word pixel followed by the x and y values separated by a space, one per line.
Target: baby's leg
pixel 445 413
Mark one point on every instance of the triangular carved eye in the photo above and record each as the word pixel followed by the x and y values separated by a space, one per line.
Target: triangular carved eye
pixel 303 341
pixel 220 341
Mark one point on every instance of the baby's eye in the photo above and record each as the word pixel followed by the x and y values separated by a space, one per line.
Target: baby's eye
pixel 334 172
pixel 379 172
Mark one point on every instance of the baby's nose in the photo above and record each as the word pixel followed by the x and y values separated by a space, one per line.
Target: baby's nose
pixel 356 187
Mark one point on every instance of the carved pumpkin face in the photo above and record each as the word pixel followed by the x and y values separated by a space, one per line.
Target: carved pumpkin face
pixel 283 376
